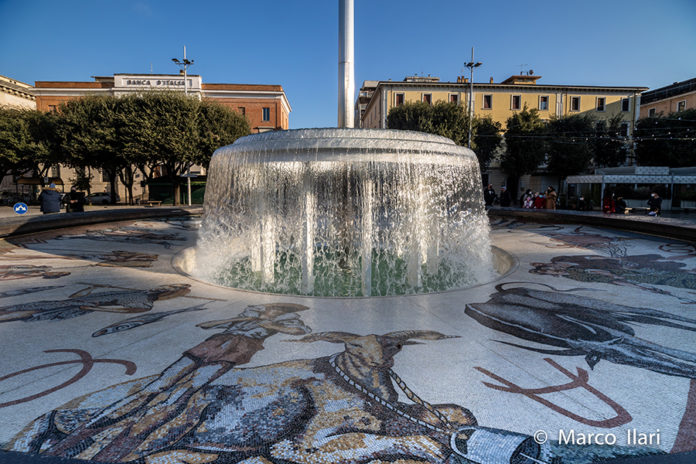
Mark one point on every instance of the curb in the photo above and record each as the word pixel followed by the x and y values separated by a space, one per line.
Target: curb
pixel 657 227
pixel 32 224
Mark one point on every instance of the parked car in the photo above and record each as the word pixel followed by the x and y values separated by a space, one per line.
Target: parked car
pixel 101 198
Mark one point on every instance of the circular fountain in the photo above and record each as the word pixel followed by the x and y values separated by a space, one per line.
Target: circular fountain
pixel 344 212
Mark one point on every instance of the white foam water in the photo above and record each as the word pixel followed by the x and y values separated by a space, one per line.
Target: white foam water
pixel 344 212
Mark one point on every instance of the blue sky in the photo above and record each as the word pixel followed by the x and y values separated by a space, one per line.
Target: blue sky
pixel 294 42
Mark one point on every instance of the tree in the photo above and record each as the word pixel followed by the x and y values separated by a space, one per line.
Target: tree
pixel 667 140
pixel 570 144
pixel 525 145
pixel 610 146
pixel 446 119
pixel 175 131
pixel 217 126
pixel 27 142
pixel 88 132
pixel 486 139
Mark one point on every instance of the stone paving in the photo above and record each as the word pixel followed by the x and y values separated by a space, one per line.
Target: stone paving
pixel 110 355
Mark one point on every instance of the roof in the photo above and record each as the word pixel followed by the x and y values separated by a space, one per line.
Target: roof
pixel 678 88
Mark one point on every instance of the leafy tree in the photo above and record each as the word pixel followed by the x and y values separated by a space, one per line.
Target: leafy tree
pixel 667 140
pixel 446 119
pixel 27 142
pixel 609 148
pixel 88 131
pixel 486 140
pixel 570 144
pixel 217 126
pixel 525 145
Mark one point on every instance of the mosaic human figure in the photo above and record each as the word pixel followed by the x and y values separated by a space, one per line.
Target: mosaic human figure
pixel 141 417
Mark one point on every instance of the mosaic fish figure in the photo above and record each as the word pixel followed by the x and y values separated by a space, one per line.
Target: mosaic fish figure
pixel 585 326
pixel 83 302
pixel 143 319
pixel 24 291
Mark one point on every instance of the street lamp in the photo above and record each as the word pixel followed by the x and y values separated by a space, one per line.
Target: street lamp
pixel 184 64
pixel 471 65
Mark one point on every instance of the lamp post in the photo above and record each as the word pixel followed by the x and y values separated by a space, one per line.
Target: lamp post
pixel 184 64
pixel 471 65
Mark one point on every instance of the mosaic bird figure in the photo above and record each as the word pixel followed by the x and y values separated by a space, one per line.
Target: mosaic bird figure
pixel 585 326
pixel 143 319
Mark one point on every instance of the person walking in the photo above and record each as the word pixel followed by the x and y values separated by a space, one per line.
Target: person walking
pixel 75 201
pixel 551 197
pixel 655 204
pixel 50 200
pixel 505 199
pixel 489 195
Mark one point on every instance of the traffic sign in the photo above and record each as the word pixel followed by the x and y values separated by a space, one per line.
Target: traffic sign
pixel 21 208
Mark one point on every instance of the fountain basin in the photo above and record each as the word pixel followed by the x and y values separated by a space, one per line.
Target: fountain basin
pixel 344 212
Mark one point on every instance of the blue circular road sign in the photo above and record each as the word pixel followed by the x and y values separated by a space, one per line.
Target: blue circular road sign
pixel 21 208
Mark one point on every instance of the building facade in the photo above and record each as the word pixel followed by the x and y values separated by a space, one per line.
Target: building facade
pixel 265 107
pixel 501 100
pixel 16 94
pixel 674 98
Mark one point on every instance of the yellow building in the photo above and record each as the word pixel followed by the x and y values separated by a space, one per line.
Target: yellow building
pixel 501 100
pixel 674 98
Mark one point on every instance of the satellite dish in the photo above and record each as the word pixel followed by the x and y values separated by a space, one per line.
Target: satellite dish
pixel 531 72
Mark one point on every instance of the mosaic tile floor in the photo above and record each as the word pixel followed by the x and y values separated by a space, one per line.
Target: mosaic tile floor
pixel 585 352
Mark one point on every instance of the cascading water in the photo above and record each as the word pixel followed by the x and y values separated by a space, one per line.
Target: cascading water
pixel 344 212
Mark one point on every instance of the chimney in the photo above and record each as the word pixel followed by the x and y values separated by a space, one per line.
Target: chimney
pixel 491 81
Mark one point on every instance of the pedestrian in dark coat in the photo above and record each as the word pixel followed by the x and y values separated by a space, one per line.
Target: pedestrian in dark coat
pixel 75 201
pixel 505 199
pixel 655 204
pixel 50 200
pixel 489 195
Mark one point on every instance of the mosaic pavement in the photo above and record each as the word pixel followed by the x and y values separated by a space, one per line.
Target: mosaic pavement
pixel 585 352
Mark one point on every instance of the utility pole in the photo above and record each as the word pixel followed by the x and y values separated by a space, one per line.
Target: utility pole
pixel 471 65
pixel 184 64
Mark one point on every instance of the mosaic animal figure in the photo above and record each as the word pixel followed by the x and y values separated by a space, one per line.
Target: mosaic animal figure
pixel 83 302
pixel 341 408
pixel 583 326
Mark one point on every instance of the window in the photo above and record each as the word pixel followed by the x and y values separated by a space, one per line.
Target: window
pixel 575 104
pixel 266 114
pixel 487 102
pixel 454 98
pixel 399 99
pixel 242 111
pixel 544 102
pixel 601 103
pixel 428 98
pixel 516 102
pixel 52 108
pixel 681 106
pixel 651 113
pixel 625 102
pixel 105 175
pixel 55 171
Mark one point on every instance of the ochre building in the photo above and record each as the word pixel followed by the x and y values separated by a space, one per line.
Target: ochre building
pixel 266 107
pixel 680 96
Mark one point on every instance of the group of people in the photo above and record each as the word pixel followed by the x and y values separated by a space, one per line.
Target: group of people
pixel 528 199
pixel 50 199
pixel 612 204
